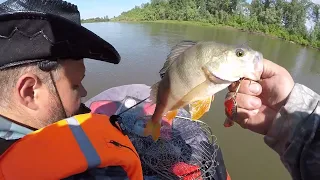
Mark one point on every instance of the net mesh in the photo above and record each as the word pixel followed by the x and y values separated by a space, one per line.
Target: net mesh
pixel 186 149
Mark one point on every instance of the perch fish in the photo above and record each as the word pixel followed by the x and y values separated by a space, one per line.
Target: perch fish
pixel 193 73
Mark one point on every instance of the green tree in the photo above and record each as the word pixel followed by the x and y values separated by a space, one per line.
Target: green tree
pixel 282 18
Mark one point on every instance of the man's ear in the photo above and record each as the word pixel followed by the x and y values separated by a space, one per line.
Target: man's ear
pixel 26 90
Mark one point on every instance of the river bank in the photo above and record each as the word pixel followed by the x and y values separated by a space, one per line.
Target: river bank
pixel 288 38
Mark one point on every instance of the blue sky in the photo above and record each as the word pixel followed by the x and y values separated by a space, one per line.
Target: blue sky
pixel 101 8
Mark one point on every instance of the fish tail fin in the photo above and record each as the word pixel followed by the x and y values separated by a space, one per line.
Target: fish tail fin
pixel 154 92
pixel 152 129
pixel 200 107
pixel 171 115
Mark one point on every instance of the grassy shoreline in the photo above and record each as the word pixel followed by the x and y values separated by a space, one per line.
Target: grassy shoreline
pixel 197 23
pixel 91 21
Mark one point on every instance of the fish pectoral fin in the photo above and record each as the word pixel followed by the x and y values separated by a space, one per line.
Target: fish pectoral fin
pixel 171 115
pixel 152 129
pixel 200 107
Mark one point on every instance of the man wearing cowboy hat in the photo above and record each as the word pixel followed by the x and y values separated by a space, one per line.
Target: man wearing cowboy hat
pixel 42 46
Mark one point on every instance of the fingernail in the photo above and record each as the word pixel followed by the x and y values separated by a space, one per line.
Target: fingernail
pixel 254 88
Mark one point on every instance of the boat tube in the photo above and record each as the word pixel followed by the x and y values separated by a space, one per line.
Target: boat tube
pixel 186 149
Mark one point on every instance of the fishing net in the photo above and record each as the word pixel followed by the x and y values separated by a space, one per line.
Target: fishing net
pixel 186 149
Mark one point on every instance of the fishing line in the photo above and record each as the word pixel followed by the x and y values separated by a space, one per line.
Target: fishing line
pixel 116 120
pixel 235 95
pixel 133 106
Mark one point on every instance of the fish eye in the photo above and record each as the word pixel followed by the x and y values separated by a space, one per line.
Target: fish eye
pixel 239 52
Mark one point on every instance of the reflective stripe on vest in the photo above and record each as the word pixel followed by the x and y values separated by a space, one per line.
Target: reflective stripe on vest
pixel 83 141
pixel 70 147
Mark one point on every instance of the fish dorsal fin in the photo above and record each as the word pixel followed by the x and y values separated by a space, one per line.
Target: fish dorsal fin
pixel 174 53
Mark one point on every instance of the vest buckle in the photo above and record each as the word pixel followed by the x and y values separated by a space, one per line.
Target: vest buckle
pixel 117 122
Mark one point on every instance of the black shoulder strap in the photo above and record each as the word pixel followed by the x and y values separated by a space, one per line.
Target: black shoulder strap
pixel 5 144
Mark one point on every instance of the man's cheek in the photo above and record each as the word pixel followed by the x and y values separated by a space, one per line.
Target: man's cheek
pixel 73 105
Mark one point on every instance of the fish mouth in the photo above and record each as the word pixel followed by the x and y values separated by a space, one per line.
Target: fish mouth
pixel 216 78
pixel 258 62
pixel 256 68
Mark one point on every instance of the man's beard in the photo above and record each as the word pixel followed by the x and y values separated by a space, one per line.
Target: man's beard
pixel 57 111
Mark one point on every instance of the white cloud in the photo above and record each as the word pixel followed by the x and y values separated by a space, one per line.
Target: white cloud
pixel 316 1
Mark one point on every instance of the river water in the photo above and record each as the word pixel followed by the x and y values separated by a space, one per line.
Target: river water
pixel 144 47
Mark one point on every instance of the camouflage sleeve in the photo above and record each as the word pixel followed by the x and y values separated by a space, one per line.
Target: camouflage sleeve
pixel 295 134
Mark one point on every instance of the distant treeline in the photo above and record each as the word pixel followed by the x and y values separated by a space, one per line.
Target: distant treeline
pixel 279 18
pixel 97 19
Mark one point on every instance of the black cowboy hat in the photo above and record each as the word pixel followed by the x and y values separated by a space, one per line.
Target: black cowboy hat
pixel 36 30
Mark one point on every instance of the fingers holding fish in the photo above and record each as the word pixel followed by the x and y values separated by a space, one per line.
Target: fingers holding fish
pixel 242 117
pixel 253 120
pixel 245 101
pixel 247 87
pixel 240 107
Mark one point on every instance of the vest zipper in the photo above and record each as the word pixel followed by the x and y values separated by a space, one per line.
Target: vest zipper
pixel 120 145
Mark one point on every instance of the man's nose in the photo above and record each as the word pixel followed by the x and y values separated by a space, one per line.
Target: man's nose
pixel 83 91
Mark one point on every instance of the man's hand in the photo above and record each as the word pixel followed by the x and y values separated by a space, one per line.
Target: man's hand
pixel 259 102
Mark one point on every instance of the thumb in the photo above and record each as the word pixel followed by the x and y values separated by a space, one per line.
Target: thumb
pixel 269 69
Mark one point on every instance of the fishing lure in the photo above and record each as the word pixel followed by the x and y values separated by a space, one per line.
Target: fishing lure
pixel 231 108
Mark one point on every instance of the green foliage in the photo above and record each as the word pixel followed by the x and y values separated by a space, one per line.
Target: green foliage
pixel 280 18
pixel 97 19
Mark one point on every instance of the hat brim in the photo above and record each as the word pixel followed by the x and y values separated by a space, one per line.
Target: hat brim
pixel 85 43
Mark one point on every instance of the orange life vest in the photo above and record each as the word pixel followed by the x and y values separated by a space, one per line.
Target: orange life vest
pixel 70 147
